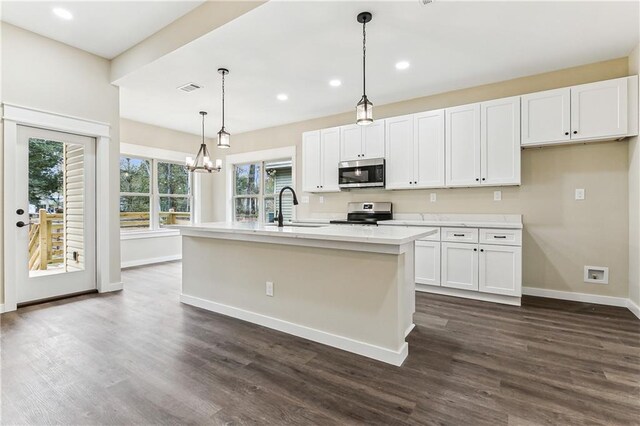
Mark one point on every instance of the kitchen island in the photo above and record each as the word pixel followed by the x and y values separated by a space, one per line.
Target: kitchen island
pixel 350 287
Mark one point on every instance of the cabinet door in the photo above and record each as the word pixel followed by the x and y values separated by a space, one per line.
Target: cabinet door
pixel 599 110
pixel 462 150
pixel 429 149
pixel 501 270
pixel 399 149
pixel 330 153
pixel 500 142
pixel 351 142
pixel 373 140
pixel 427 262
pixel 311 160
pixel 545 117
pixel 460 266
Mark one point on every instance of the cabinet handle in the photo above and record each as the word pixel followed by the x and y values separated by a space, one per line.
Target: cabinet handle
pixel 477 179
pixel 482 250
pixel 566 133
pixel 19 211
pixel 575 132
pixel 500 236
pixel 475 249
pixel 458 235
pixel 483 179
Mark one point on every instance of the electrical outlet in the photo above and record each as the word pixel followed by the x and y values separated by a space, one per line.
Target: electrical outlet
pixel 497 195
pixel 321 199
pixel 432 197
pixel 305 199
pixel 269 288
pixel 580 194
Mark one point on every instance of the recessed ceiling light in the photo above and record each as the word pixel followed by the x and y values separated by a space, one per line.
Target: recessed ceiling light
pixel 402 65
pixel 62 13
pixel 335 83
pixel 282 97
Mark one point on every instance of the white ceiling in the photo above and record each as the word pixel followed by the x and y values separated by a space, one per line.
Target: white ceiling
pixel 297 47
pixel 105 28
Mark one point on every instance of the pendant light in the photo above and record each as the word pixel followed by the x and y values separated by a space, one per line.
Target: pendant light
pixel 364 109
pixel 224 138
pixel 202 163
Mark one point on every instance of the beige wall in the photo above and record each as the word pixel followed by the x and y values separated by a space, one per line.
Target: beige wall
pixel 634 200
pixel 41 73
pixel 561 235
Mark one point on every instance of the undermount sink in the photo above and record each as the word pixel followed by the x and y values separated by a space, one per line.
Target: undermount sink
pixel 300 225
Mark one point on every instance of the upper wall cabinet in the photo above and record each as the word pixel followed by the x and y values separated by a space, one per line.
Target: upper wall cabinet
pixel 320 158
pixel 415 151
pixel 500 142
pixel 589 112
pixel 483 143
pixel 462 136
pixel 362 142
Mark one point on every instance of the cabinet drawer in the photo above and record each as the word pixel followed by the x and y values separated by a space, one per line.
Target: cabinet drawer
pixel 505 237
pixel 434 237
pixel 460 235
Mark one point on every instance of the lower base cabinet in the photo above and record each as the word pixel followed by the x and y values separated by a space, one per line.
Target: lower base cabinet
pixel 500 270
pixel 460 266
pixel 472 266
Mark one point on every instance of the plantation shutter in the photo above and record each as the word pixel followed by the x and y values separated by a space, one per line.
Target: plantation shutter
pixel 74 207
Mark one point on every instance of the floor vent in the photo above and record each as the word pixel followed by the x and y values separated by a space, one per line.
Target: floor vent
pixel 190 87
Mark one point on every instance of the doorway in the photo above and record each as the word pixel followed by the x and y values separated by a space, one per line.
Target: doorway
pixel 55 214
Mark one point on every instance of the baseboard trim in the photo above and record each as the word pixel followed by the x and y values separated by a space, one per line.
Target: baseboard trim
pixel 409 329
pixel 2 308
pixel 633 308
pixel 149 261
pixel 113 287
pixel 350 345
pixel 485 297
pixel 576 297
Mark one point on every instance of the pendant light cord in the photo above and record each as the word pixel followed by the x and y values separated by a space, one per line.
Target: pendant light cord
pixel 364 59
pixel 223 100
pixel 203 129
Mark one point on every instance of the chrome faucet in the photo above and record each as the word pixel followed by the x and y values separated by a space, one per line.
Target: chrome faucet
pixel 295 203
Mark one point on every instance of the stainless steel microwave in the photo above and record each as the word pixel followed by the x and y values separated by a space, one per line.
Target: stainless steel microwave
pixel 361 173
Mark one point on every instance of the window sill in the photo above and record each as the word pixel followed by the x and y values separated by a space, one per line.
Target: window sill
pixel 157 233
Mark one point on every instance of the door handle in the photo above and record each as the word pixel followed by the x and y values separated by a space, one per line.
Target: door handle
pixel 20 224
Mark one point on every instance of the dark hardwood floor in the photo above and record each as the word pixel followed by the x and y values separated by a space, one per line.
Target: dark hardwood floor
pixel 141 357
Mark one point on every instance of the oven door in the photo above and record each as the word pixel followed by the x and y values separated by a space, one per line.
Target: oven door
pixel 361 174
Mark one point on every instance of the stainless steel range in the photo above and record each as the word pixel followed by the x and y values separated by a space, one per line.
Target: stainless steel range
pixel 366 214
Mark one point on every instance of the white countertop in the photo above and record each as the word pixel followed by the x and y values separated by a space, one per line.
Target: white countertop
pixel 507 221
pixel 360 234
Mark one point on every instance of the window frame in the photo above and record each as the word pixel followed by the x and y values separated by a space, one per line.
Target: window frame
pixel 139 194
pixel 154 196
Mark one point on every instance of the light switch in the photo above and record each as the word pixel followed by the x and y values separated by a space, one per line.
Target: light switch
pixel 321 199
pixel 497 195
pixel 305 199
pixel 432 197
pixel 580 194
pixel 269 288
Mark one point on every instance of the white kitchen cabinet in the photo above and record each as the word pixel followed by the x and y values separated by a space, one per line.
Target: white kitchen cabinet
pixel 400 152
pixel 427 262
pixel 428 134
pixel 500 270
pixel 500 142
pixel 599 110
pixel 362 142
pixel 311 161
pixel 320 158
pixel 546 117
pixel 460 266
pixel 462 148
pixel 588 112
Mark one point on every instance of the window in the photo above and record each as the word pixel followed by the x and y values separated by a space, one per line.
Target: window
pixel 256 190
pixel 135 193
pixel 153 193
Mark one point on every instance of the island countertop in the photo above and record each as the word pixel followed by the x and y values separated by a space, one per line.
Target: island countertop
pixel 390 235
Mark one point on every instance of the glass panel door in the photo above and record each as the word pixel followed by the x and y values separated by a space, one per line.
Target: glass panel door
pixel 56 214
